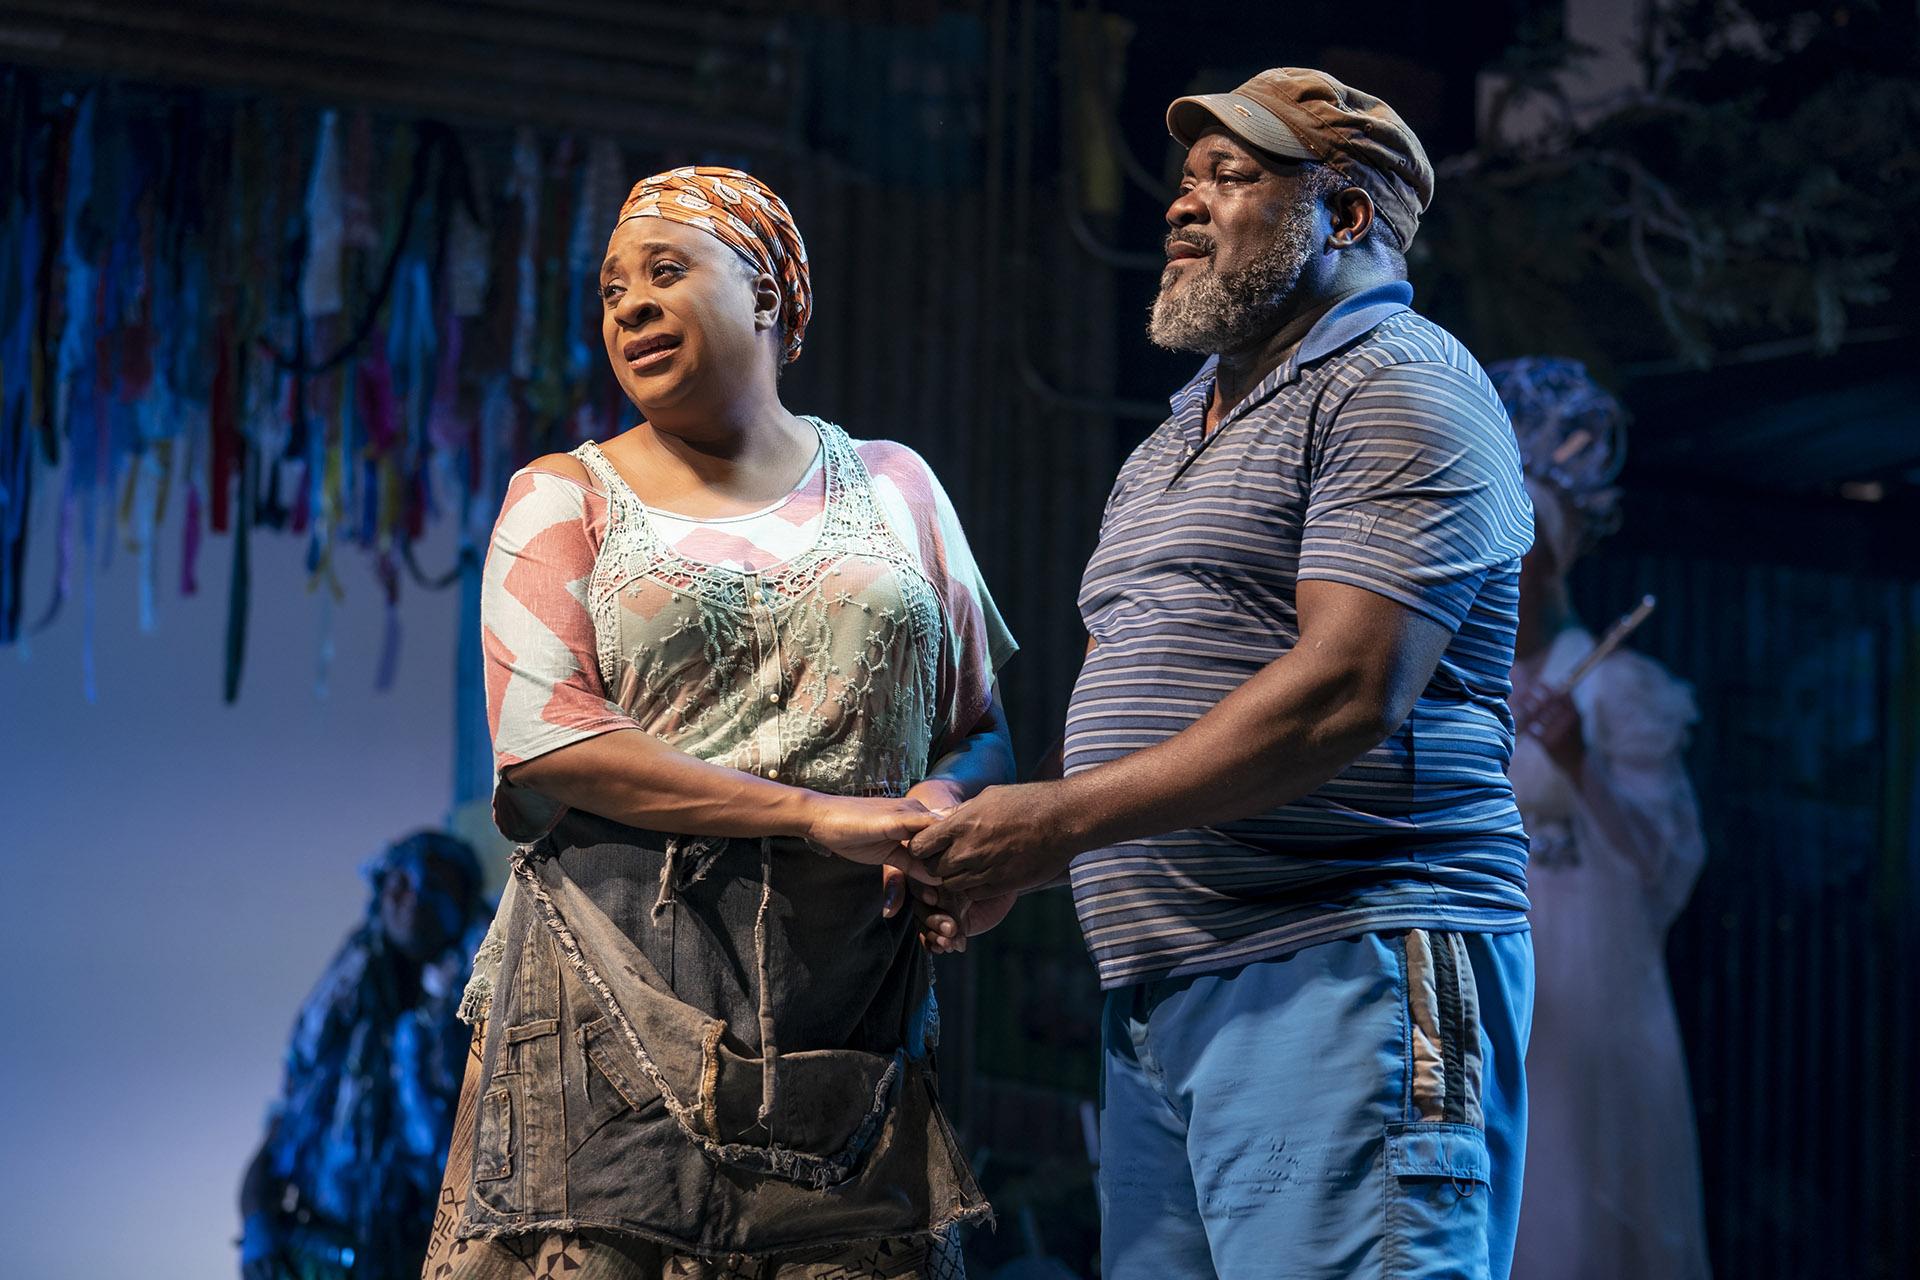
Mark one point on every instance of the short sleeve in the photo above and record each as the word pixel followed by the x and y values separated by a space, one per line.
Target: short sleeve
pixel 1415 491
pixel 543 681
pixel 1638 712
pixel 1637 720
pixel 976 642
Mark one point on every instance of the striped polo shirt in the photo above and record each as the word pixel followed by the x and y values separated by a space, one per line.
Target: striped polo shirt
pixel 1379 456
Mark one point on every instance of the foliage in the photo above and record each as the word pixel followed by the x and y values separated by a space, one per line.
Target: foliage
pixel 1758 183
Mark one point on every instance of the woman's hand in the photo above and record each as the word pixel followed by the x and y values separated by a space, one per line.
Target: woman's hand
pixel 872 831
pixel 946 922
pixel 1550 716
pixel 939 795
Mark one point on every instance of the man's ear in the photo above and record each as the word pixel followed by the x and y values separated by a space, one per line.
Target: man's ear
pixel 1352 211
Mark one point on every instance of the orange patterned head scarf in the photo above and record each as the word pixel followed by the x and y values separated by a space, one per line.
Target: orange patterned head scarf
pixel 743 213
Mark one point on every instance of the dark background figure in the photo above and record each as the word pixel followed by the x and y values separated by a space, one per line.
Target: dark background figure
pixel 344 1183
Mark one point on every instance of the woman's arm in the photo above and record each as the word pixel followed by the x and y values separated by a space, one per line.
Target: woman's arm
pixel 632 777
pixel 984 759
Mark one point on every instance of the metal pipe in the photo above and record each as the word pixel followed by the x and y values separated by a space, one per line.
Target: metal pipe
pixel 1136 172
pixel 1035 382
pixel 1071 75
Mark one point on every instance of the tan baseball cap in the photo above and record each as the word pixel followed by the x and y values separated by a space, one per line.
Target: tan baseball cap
pixel 1303 114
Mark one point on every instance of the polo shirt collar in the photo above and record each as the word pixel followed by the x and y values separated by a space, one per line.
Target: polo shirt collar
pixel 1345 322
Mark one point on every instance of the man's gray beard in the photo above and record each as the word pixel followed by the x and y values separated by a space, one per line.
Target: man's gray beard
pixel 1213 312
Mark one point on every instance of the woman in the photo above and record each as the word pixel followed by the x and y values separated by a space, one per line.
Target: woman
pixel 721 645
pixel 1613 1178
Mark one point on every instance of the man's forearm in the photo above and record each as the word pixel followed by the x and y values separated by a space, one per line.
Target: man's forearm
pixel 1352 677
pixel 1278 737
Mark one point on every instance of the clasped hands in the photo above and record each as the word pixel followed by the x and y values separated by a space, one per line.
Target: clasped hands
pixel 967 861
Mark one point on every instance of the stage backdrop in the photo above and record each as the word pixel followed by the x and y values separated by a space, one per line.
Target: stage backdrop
pixel 180 869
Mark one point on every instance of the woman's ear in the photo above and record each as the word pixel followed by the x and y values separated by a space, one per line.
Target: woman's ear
pixel 766 301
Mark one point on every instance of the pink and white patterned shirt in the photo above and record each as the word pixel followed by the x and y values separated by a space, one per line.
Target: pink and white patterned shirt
pixel 841 640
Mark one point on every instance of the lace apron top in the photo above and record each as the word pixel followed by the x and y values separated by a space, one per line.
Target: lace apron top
pixel 766 1032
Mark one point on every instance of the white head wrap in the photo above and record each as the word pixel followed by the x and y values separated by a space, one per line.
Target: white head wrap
pixel 1573 439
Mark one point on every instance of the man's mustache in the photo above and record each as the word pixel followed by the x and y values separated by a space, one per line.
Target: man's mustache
pixel 1198 239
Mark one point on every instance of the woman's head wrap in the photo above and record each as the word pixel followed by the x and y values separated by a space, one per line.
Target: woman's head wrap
pixel 457 897
pixel 742 213
pixel 1573 440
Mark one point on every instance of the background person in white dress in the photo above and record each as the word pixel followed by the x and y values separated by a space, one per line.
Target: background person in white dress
pixel 1613 1175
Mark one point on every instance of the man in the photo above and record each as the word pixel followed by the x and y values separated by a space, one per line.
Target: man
pixel 344 1183
pixel 1293 848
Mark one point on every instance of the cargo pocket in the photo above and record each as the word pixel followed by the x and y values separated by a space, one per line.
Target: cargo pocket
pixel 493 1137
pixel 1437 1200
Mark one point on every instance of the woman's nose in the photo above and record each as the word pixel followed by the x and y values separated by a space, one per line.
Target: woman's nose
pixel 635 307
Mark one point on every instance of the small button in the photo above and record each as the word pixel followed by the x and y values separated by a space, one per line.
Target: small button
pixel 773 775
pixel 759 596
pixel 773 698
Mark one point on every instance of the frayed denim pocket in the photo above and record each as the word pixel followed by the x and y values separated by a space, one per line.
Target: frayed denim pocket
pixel 493 1137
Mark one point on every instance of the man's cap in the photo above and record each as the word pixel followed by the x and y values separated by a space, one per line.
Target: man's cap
pixel 1302 114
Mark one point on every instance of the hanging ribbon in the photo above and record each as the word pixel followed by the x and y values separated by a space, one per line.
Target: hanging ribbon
pixel 21 250
pixel 352 338
pixel 321 281
pixel 389 663
pixel 526 197
pixel 239 584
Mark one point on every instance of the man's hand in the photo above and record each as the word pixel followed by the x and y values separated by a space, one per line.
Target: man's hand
pixel 1004 841
pixel 939 796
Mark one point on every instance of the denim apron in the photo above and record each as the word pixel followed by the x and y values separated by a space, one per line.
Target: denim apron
pixel 612 1098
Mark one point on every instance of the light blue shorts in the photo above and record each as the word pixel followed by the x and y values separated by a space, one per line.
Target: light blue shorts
pixel 1355 1109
